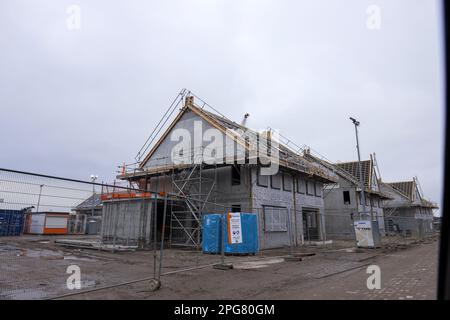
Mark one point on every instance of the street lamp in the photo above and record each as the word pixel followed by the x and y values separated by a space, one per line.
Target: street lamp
pixel 361 178
pixel 39 199
pixel 93 178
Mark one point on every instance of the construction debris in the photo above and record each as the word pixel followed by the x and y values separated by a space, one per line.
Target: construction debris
pixel 92 244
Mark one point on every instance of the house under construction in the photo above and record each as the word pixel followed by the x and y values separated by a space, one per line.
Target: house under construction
pixel 407 212
pixel 196 179
pixel 343 200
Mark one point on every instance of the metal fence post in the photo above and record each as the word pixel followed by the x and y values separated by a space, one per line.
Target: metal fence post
pixel 290 230
pixel 154 284
pixel 222 265
pixel 162 237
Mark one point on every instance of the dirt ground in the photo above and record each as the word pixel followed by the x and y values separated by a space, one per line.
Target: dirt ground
pixel 34 267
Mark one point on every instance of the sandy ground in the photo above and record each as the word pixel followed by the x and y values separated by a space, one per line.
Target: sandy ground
pixel 34 267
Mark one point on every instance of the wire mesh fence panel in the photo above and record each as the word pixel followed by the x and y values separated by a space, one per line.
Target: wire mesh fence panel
pixel 51 239
pixel 62 237
pixel 341 226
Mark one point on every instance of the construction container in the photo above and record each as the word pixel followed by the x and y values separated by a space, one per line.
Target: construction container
pixel 47 223
pixel 93 225
pixel 212 233
pixel 11 222
pixel 242 233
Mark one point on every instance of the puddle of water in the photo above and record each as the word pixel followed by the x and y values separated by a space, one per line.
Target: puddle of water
pixel 88 284
pixel 42 290
pixel 79 258
pixel 43 254
pixel 256 264
pixel 349 250
pixel 7 248
pixel 25 294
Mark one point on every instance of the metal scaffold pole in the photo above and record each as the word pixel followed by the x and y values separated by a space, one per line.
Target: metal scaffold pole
pixel 222 265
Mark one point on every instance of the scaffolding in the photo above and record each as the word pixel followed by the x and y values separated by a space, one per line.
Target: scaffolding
pixel 193 182
pixel 197 186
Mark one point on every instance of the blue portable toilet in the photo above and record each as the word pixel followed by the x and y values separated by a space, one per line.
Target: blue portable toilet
pixel 211 233
pixel 249 235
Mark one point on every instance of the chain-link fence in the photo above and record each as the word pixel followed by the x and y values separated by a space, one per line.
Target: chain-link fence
pixel 340 225
pixel 60 237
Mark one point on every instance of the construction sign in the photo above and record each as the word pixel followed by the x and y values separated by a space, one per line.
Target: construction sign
pixel 367 234
pixel 234 228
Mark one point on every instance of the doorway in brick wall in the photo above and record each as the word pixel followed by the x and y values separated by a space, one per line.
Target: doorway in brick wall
pixel 311 224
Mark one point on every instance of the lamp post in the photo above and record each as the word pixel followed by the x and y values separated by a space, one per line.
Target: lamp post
pixel 39 199
pixel 361 178
pixel 93 178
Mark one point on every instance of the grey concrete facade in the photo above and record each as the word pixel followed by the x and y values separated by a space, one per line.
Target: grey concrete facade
pixel 343 201
pixel 407 214
pixel 341 214
pixel 285 192
pixel 127 222
pixel 198 134
pixel 289 204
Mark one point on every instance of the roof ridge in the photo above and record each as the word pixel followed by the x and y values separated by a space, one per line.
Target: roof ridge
pixel 345 165
pixel 396 190
pixel 404 181
pixel 290 159
pixel 356 161
pixel 406 187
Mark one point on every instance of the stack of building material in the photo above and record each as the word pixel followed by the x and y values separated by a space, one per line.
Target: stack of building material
pixel 93 244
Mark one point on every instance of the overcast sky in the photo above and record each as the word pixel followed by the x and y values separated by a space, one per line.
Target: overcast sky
pixel 80 101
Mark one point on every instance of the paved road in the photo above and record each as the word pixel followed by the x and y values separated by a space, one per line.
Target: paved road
pixel 405 274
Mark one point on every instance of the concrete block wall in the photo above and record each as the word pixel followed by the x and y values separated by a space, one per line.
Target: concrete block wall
pixel 127 222
pixel 292 200
pixel 282 191
pixel 339 215
pixel 188 122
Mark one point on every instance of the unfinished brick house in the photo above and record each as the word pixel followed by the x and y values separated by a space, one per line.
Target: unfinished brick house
pixel 343 200
pixel 407 212
pixel 289 202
